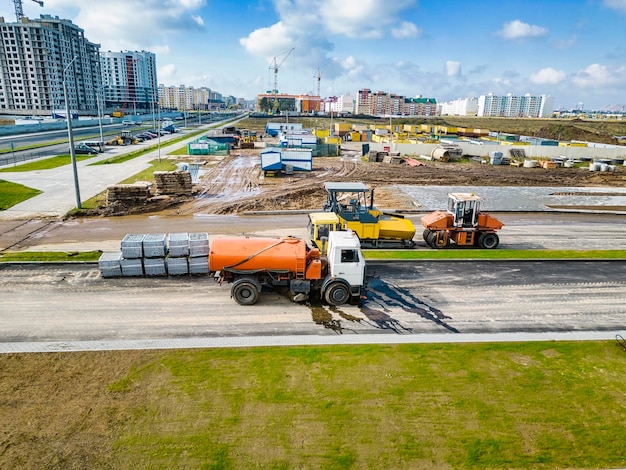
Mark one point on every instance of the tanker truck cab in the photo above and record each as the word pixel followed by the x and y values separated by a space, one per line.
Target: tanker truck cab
pixel 346 268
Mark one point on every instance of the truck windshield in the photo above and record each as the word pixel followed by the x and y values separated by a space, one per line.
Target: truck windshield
pixel 349 256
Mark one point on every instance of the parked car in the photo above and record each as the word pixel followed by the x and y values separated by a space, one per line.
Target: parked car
pixel 127 122
pixel 84 149
pixel 146 135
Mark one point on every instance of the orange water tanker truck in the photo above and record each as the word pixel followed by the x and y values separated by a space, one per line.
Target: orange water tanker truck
pixel 248 263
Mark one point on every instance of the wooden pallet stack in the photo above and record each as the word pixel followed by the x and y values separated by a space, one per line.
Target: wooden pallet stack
pixel 128 194
pixel 177 183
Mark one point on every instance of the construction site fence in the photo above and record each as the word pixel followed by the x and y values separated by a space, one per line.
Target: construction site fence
pixel 325 150
pixel 22 157
pixel 204 146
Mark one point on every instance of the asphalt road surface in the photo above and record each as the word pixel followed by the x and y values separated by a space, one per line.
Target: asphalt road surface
pixel 74 303
pixel 521 231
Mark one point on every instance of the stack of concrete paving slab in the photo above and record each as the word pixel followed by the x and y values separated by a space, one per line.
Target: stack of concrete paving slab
pixel 198 253
pixel 177 264
pixel 110 264
pixel 158 254
pixel 154 251
pixel 132 254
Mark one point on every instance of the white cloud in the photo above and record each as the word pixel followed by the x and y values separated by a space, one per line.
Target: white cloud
pixel 198 20
pixel 619 5
pixel 517 29
pixel 130 24
pixel 406 30
pixel 453 68
pixel 501 81
pixel 548 76
pixel 167 73
pixel 268 41
pixel 362 19
pixel 598 76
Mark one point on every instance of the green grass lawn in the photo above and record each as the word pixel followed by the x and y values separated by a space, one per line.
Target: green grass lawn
pixel 13 193
pixel 514 405
pixel 500 253
pixel 46 163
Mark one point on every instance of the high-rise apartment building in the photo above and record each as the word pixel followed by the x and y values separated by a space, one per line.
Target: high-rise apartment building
pixel 384 104
pixel 515 106
pixel 36 56
pixel 460 107
pixel 338 104
pixel 130 80
pixel 188 98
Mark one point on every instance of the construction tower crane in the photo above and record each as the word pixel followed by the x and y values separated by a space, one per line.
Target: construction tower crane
pixel 275 65
pixel 19 12
pixel 319 76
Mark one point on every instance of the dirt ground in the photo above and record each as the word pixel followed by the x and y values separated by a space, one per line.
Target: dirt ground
pixel 236 184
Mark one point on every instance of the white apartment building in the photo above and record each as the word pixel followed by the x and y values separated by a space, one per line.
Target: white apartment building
pixel 35 57
pixel 338 104
pixel 186 98
pixel 129 80
pixel 515 106
pixel 460 107
pixel 382 103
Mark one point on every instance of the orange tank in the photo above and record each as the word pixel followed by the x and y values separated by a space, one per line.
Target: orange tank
pixel 260 254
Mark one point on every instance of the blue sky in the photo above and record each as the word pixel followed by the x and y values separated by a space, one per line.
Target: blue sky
pixel 574 50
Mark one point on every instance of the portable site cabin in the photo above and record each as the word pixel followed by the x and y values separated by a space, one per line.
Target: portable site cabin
pixel 275 128
pixel 278 160
pixel 297 139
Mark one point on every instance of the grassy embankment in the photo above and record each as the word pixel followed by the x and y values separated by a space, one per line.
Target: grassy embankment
pixel 13 193
pixel 374 255
pixel 540 405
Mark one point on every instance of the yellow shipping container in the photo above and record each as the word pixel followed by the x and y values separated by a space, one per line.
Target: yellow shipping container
pixel 355 136
pixel 332 140
pixel 322 133
pixel 341 127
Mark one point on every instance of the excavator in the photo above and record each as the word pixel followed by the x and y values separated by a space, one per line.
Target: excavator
pixel 463 224
pixel 347 208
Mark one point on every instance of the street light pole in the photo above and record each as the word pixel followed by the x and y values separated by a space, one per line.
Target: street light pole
pixel 70 134
pixel 99 91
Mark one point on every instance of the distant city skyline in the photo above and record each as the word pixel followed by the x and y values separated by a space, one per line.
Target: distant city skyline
pixel 443 50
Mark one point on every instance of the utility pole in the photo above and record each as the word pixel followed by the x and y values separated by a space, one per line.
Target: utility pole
pixel 99 91
pixel 70 134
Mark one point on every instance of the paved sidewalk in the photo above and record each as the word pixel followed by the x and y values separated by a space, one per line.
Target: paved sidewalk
pixel 59 194
pixel 297 340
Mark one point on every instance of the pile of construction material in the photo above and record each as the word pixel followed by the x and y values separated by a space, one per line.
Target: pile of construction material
pixel 177 183
pixel 498 158
pixel 157 254
pixel 128 194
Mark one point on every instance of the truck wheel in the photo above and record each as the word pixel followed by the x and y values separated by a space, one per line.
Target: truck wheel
pixel 245 293
pixel 337 294
pixel 489 240
pixel 426 233
pixel 441 239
